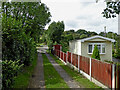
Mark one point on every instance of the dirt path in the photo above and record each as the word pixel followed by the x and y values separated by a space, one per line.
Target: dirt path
pixel 70 82
pixel 37 80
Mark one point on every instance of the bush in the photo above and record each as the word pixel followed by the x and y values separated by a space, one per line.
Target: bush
pixel 96 54
pixel 10 70
pixel 117 53
pixel 17 45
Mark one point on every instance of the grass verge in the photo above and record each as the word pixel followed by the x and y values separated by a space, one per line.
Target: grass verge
pixel 75 75
pixel 52 78
pixel 23 78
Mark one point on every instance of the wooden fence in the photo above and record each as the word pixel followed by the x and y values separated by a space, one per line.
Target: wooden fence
pixel 103 72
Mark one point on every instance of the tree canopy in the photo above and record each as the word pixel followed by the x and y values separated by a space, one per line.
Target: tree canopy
pixel 112 9
pixel 55 31
pixel 22 25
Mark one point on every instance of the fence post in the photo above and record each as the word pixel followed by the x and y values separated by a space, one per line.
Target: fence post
pixel 71 58
pixel 113 77
pixel 78 62
pixel 90 68
pixel 60 48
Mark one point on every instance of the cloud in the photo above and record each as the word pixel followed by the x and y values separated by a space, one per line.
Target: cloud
pixel 86 3
pixel 81 17
pixel 72 24
pixel 81 14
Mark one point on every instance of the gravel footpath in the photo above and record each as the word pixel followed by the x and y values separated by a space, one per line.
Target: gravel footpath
pixel 37 79
pixel 70 82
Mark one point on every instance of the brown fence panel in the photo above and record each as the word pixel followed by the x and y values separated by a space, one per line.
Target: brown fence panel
pixel 64 57
pixel 69 57
pixel 80 62
pixel 102 72
pixel 76 60
pixel 57 52
pixel 61 55
pixel 84 64
pixel 73 59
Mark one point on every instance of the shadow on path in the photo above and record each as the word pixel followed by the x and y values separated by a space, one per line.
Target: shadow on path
pixel 37 79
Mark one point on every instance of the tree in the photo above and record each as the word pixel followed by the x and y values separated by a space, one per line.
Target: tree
pixel 102 34
pixel 55 30
pixel 110 35
pixel 69 31
pixel 91 33
pixel 33 15
pixel 81 31
pixel 112 9
pixel 117 50
pixel 22 24
pixel 113 50
pixel 83 36
pixel 96 54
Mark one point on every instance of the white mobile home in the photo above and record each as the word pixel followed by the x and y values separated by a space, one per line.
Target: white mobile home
pixel 85 47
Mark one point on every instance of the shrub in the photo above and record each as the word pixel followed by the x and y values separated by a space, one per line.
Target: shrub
pixel 10 70
pixel 96 54
pixel 117 54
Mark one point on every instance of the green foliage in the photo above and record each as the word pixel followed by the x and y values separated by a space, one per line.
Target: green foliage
pixel 22 25
pixel 81 31
pixel 44 37
pixel 55 31
pixel 96 54
pixel 69 32
pixel 23 78
pixel 16 43
pixel 50 44
pixel 112 9
pixel 83 36
pixel 10 70
pixel 113 49
pixel 116 45
pixel 117 53
pixel 52 77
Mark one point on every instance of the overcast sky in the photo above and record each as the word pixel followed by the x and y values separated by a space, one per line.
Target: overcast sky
pixel 81 14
